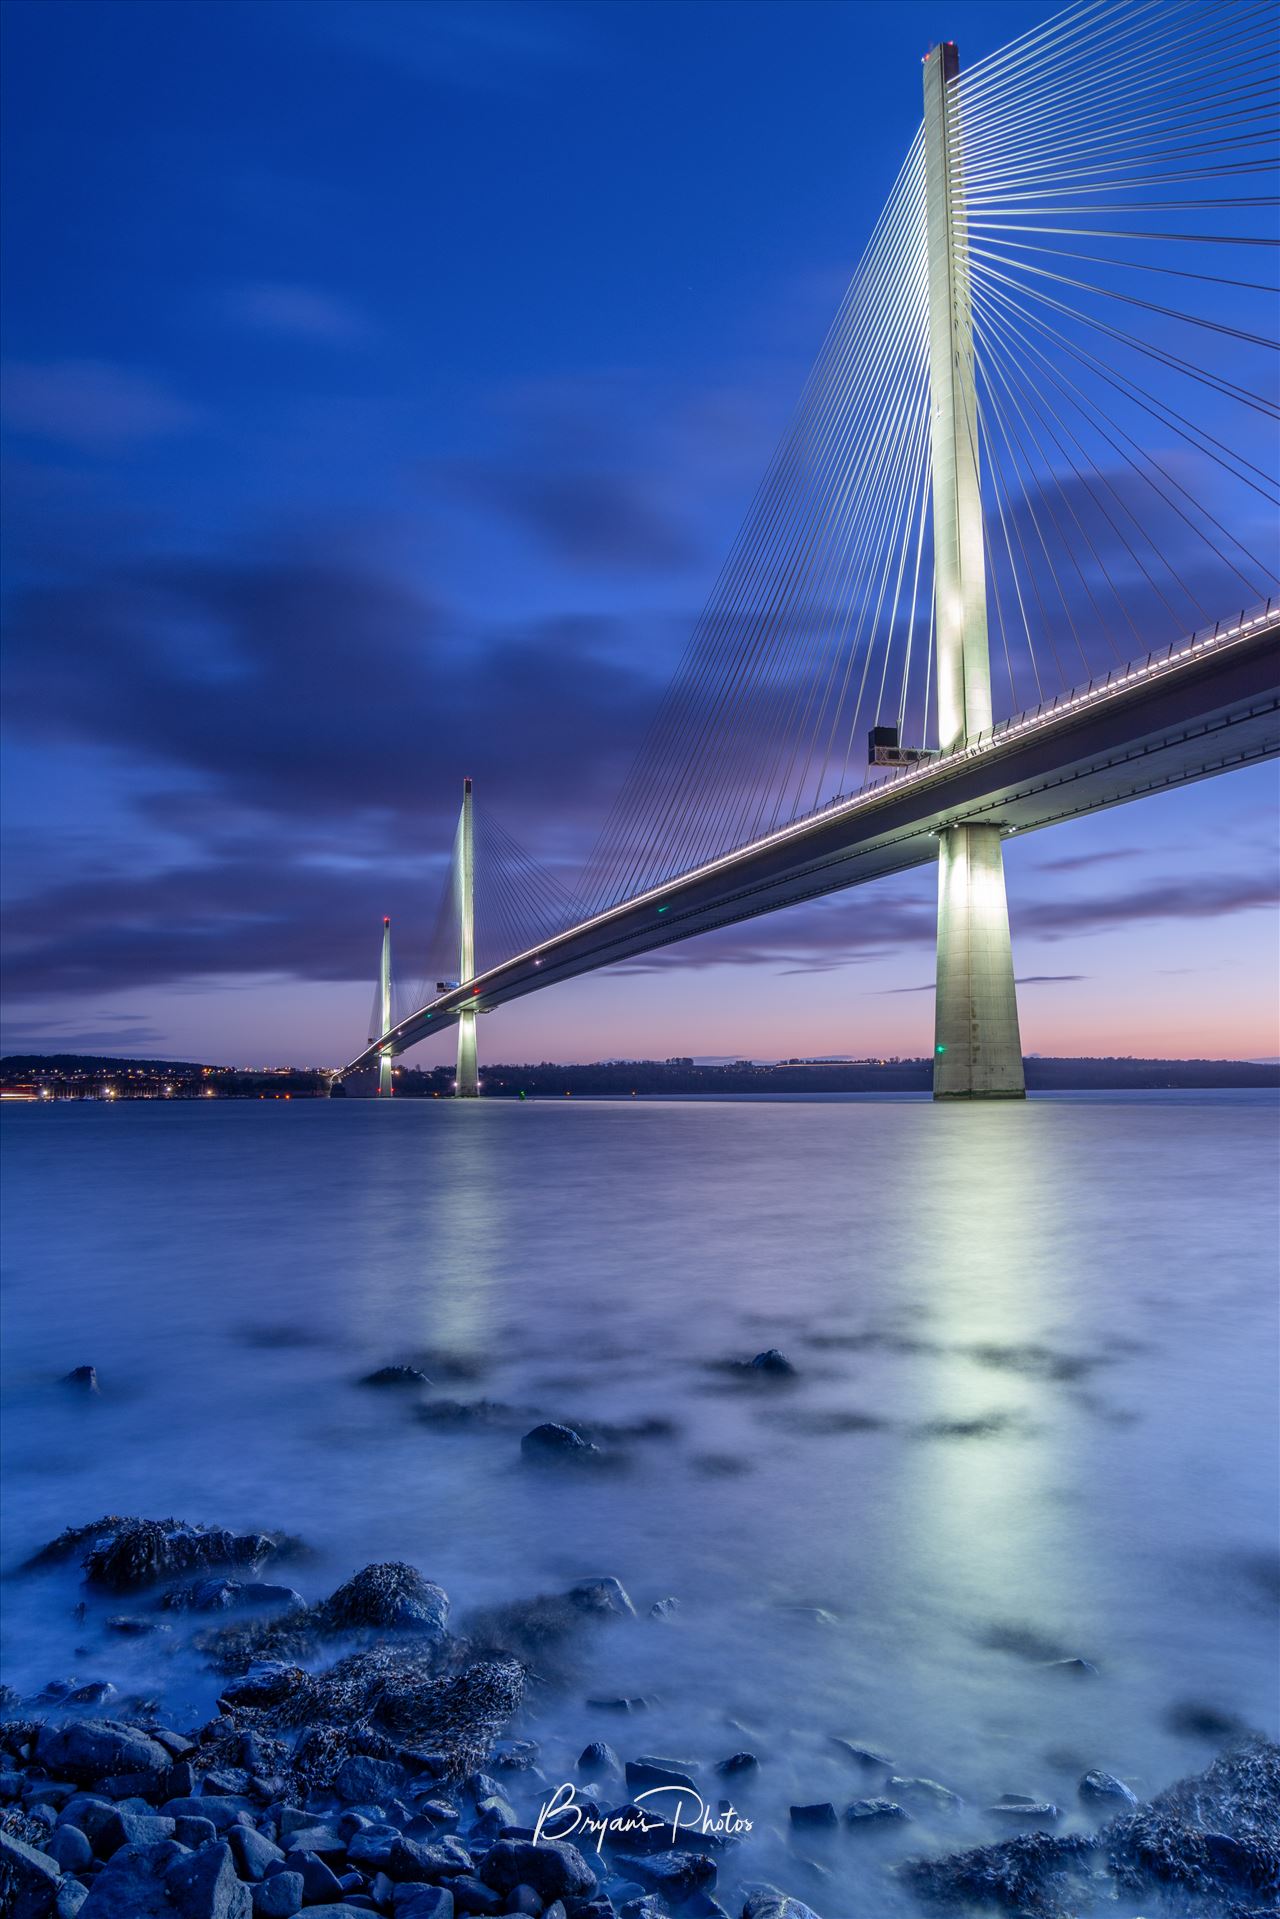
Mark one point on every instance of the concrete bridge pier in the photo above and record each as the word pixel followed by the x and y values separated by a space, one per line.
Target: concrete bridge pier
pixel 977 1049
pixel 384 997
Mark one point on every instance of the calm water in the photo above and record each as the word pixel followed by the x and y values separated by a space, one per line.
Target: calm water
pixel 1035 1411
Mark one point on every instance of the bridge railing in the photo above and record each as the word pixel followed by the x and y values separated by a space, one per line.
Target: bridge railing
pixel 1159 660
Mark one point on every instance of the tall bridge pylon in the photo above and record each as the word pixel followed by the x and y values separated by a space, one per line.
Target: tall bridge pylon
pixel 977 1051
pixel 468 1081
pixel 384 1011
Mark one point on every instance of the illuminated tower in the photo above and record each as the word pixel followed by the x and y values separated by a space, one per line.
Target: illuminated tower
pixel 977 1049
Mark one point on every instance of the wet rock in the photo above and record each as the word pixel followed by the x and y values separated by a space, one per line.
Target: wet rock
pixel 1020 1810
pixel 402 1376
pixel 363 1781
pixel 599 1761
pixel 205 1886
pixel 254 1854
pixel 81 1379
pixel 766 1902
pixel 392 1596
pixel 550 1443
pixel 1104 1789
pixel 472 1896
pixel 675 1875
pixel 87 1812
pixel 821 1814
pixel 605 1595
pixel 646 1775
pixel 771 1365
pixel 131 1626
pixel 88 1750
pixel 1081 1668
pixel 221 1595
pixel 96 1693
pixel 29 1878
pixel 132 1883
pixel 862 1756
pixel 738 1765
pixel 132 1829
pixel 70 1847
pixel 864 1814
pixel 137 1552
pixel 195 1832
pixel 664 1608
pixel 221 1812
pixel 425 1902
pixel 515 1755
pixel 1035 1876
pixel 554 1868
pixel 924 1791
pixel 278 1897
pixel 319 1880
pixel 71 1896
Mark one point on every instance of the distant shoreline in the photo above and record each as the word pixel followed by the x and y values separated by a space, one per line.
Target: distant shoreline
pixel 52 1077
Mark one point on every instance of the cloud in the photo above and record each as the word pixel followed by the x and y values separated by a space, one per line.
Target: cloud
pixel 590 515
pixel 90 404
pixel 298 313
pixel 1082 862
pixel 1024 979
pixel 1196 897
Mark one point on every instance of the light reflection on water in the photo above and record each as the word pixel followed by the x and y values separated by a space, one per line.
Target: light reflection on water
pixel 1037 1355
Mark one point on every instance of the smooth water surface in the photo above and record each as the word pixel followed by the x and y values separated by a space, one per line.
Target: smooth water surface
pixel 1034 1417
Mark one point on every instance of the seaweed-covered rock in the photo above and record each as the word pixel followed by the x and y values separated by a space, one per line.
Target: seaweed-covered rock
pixel 125 1554
pixel 396 1376
pixel 1214 1835
pixel 1037 1876
pixel 391 1596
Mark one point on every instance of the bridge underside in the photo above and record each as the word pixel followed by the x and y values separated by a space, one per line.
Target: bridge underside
pixel 1216 709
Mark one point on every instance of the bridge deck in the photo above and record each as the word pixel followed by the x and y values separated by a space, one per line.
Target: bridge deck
pixel 1162 722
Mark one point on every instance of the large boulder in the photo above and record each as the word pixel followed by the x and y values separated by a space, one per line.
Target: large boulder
pixel 205 1886
pixel 391 1596
pixel 132 1883
pixel 554 1868
pixel 88 1750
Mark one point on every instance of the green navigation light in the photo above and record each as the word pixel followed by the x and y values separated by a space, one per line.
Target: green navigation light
pixel 939 1048
pixel 662 909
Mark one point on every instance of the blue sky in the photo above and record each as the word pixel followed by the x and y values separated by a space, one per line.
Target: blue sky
pixel 383 385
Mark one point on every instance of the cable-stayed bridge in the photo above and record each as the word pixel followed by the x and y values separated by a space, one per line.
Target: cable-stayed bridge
pixel 1015 559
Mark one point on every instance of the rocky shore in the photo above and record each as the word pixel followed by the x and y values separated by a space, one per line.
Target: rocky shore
pixel 367 1757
